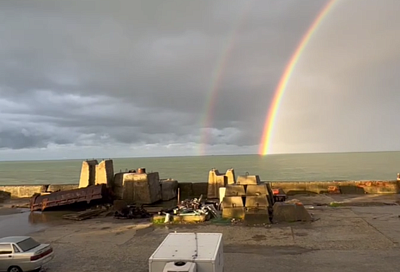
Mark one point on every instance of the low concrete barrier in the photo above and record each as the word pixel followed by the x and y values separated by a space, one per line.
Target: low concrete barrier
pixel 19 191
pixel 195 189
pixel 318 187
pixel 22 191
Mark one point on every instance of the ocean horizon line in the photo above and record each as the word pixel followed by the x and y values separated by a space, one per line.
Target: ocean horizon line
pixel 194 156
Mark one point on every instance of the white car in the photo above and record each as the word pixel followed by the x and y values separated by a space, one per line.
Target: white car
pixel 22 253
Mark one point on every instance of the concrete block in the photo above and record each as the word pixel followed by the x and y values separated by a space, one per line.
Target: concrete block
pixel 257 216
pixel 290 212
pixel 169 189
pixel 61 187
pixel 22 191
pixel 105 173
pixel 256 190
pixel 118 185
pixel 233 212
pixel 256 201
pixel 247 180
pixel 232 201
pixel 222 191
pixel 88 173
pixel 235 190
pixel 141 188
pixel 215 181
pixel 230 176
pixel 4 196
pixel 354 190
pixel 185 190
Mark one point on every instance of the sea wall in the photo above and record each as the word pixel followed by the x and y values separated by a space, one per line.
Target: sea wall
pixel 21 191
pixel 195 189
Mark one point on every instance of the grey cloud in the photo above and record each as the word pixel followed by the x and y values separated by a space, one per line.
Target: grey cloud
pixel 139 73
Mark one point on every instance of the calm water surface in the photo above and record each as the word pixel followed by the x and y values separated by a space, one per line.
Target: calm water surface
pixel 332 166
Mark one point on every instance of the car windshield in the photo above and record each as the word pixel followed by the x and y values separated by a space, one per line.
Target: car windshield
pixel 28 244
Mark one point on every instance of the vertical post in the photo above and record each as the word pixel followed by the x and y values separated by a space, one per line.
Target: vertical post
pixel 179 195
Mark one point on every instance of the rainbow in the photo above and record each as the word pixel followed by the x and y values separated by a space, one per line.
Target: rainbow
pixel 217 77
pixel 265 144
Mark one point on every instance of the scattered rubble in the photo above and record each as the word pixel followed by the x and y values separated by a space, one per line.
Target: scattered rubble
pixel 124 211
pixel 4 196
pixel 83 215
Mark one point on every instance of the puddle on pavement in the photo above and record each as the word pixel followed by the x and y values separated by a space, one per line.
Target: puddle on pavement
pixel 23 222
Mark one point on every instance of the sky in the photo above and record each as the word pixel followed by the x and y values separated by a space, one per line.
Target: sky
pixel 125 78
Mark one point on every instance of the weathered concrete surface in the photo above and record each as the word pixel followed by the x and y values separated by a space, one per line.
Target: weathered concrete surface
pixel 23 190
pixel 369 186
pixel 349 239
pixel 141 188
pixel 215 181
pixel 342 240
pixel 88 173
pixel 104 173
pixel 290 212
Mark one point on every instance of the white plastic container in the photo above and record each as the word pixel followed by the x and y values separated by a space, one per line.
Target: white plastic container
pixel 203 249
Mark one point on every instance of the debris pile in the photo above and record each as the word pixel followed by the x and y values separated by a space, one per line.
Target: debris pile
pixel 122 210
pixel 189 210
pixel 132 212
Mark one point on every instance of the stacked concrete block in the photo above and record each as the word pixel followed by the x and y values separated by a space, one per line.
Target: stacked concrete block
pixel 254 196
pixel 232 207
pixel 105 173
pixel 88 173
pixel 248 180
pixel 230 175
pixel 257 204
pixel 141 188
pixel 215 181
pixel 235 190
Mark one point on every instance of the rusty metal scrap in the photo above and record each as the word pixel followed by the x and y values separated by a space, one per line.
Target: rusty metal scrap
pixel 61 198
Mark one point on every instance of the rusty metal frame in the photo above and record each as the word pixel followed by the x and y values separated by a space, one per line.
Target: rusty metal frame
pixel 62 198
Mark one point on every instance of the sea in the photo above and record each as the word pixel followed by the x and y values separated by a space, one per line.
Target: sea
pixel 282 167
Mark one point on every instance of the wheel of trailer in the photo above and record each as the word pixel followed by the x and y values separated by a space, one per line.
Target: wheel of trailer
pixel 14 269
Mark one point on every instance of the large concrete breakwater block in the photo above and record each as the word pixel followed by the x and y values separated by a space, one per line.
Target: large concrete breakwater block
pixel 105 173
pixel 256 190
pixel 233 207
pixel 257 216
pixel 141 188
pixel 217 180
pixel 290 212
pixel 235 190
pixel 88 173
pixel 248 180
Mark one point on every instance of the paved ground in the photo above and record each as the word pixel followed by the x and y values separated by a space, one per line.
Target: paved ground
pixel 349 238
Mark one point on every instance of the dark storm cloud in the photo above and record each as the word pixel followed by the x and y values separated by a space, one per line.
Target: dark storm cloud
pixel 136 73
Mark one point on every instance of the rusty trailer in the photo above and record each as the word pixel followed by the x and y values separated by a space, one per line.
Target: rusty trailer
pixel 62 198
